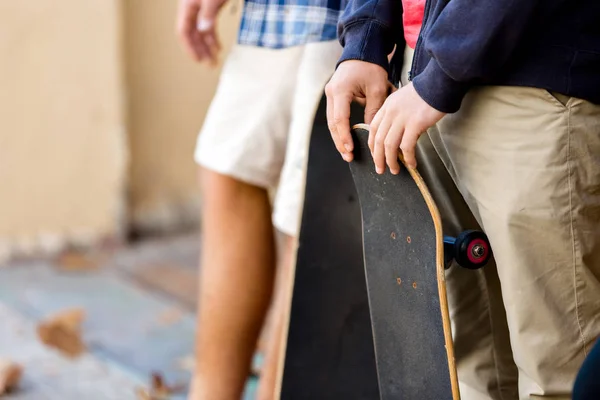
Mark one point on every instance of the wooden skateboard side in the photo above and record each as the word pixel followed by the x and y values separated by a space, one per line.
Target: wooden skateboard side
pixel 404 260
pixel 328 352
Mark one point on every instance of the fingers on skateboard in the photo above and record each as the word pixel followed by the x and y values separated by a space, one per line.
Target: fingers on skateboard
pixel 470 249
pixel 403 247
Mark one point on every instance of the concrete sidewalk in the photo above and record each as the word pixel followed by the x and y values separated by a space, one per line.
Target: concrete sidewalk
pixel 139 303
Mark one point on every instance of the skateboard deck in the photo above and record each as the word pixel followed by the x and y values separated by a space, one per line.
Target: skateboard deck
pixel 328 352
pixel 404 261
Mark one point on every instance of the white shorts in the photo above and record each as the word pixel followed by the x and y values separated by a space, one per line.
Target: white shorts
pixel 259 122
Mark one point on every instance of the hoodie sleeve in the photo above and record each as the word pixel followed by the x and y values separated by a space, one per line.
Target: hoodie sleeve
pixel 370 29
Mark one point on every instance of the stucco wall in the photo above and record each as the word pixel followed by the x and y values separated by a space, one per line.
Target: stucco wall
pixel 62 132
pixel 99 112
pixel 168 95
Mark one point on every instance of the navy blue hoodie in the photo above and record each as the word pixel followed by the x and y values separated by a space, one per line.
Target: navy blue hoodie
pixel 548 44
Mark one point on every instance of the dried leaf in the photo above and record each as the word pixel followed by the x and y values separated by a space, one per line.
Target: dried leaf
pixel 158 384
pixel 142 394
pixel 10 375
pixel 78 261
pixel 62 331
pixel 160 390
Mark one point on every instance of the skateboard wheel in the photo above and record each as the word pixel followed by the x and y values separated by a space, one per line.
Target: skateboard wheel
pixel 472 249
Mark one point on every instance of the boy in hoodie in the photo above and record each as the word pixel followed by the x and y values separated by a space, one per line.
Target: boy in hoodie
pixel 509 93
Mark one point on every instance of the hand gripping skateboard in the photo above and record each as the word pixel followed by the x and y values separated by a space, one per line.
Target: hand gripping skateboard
pixel 405 256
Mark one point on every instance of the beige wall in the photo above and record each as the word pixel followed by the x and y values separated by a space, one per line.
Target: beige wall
pixel 62 133
pixel 99 112
pixel 168 97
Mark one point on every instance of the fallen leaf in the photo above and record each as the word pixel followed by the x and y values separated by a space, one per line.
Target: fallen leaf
pixel 62 331
pixel 159 390
pixel 10 375
pixel 78 261
pixel 142 394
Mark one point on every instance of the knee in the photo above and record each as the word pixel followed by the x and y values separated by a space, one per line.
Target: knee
pixel 225 189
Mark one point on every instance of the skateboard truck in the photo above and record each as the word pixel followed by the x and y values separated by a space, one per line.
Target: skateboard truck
pixel 471 249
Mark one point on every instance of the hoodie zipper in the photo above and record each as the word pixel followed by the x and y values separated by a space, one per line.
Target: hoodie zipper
pixel 419 39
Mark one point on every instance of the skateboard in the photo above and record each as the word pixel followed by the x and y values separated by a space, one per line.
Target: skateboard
pixel 405 257
pixel 328 348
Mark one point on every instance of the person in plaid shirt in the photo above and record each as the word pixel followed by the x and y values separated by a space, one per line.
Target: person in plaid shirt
pixel 254 139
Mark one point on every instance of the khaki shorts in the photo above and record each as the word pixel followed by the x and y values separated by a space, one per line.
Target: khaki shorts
pixel 259 122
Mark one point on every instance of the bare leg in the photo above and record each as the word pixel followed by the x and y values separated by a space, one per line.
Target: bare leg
pixel 268 376
pixel 237 273
pixel 268 328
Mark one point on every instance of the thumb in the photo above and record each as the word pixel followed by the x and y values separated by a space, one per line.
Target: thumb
pixel 373 104
pixel 375 97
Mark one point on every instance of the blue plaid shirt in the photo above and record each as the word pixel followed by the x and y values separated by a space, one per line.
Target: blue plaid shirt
pixel 285 23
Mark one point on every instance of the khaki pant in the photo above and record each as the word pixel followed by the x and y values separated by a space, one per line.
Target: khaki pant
pixel 527 162
pixel 484 360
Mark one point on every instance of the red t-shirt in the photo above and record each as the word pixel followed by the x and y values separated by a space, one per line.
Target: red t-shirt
pixel 412 20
